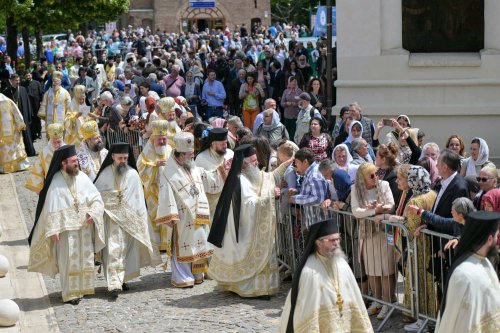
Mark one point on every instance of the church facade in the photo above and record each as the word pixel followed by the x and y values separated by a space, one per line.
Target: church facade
pixel 436 61
pixel 182 15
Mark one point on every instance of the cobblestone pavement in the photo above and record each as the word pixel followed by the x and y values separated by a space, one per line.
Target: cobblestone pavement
pixel 153 305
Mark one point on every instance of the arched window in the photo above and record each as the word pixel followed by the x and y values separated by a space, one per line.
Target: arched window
pixel 443 25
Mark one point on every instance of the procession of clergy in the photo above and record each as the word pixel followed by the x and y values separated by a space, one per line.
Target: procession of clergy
pixel 212 215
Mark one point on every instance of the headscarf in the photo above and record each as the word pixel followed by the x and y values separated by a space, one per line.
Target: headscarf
pixel 218 122
pixel 434 174
pixel 482 157
pixel 419 180
pixel 348 155
pixel 342 184
pixel 350 137
pixel 493 198
pixel 405 117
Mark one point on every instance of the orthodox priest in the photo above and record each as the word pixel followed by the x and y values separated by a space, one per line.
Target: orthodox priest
pixel 79 113
pixel 243 228
pixel 150 164
pixel 325 296
pixel 39 171
pixel 471 301
pixel 55 102
pixel 68 227
pixel 12 154
pixel 92 152
pixel 183 206
pixel 213 152
pixel 19 95
pixel 128 238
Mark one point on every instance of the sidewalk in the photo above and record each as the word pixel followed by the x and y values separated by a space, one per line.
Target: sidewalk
pixel 26 289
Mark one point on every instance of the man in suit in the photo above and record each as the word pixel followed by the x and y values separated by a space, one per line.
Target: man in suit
pixel 452 185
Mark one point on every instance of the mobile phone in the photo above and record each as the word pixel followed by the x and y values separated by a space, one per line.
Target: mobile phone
pixel 387 122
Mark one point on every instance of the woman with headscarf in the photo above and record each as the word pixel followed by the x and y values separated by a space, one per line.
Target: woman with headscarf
pixel 491 202
pixel 431 166
pixel 478 159
pixel 417 179
pixel 343 158
pixel 355 131
pixel 272 129
pixel 370 197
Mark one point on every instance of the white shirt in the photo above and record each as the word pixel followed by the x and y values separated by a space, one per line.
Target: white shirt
pixel 444 185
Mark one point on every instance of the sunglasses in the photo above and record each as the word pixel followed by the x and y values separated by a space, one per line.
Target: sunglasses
pixel 372 176
pixel 482 179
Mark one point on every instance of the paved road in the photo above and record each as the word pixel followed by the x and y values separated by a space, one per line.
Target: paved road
pixel 153 305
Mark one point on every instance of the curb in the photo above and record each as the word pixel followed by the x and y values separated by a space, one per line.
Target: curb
pixel 28 290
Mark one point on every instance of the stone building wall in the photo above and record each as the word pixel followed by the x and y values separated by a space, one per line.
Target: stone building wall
pixel 170 15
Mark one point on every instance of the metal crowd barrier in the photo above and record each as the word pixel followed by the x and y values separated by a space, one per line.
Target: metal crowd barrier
pixel 397 265
pixel 365 244
pixel 432 265
pixel 131 137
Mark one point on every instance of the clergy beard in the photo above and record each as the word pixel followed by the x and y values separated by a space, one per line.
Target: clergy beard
pixel 220 152
pixel 121 168
pixel 72 171
pixel 161 150
pixel 335 254
pixel 188 164
pixel 97 147
pixel 252 172
pixel 493 253
pixel 172 124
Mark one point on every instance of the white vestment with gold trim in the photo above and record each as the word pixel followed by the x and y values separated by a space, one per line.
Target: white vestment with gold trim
pixel 473 299
pixel 73 255
pixel 128 235
pixel 249 266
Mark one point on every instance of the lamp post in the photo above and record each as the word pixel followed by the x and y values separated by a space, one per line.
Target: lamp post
pixel 329 62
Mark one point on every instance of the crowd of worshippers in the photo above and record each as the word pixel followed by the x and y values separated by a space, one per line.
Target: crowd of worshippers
pixel 206 181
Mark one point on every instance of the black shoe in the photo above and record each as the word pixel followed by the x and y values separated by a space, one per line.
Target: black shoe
pixel 74 301
pixel 265 297
pixel 114 294
pixel 125 287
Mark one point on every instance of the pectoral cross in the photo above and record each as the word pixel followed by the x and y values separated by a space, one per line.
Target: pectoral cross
pixel 340 303
pixel 77 205
pixel 120 196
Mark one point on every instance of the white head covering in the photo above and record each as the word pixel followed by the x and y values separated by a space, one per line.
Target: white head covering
pixel 482 157
pixel 349 156
pixel 350 137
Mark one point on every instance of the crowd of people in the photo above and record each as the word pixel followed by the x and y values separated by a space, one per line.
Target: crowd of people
pixel 224 128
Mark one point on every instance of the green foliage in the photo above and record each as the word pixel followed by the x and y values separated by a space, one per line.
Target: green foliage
pixel 296 11
pixel 54 16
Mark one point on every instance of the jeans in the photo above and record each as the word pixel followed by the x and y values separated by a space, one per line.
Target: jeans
pixel 214 111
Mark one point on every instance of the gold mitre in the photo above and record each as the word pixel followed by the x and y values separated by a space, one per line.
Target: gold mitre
pixel 166 104
pixel 79 91
pixel 89 129
pixel 55 131
pixel 56 75
pixel 160 127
